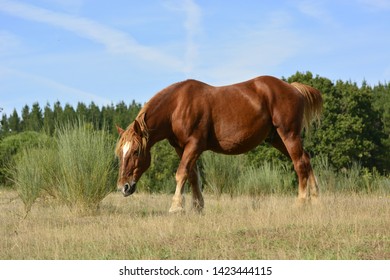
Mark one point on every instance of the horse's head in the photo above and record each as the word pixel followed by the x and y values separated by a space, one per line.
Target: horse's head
pixel 133 155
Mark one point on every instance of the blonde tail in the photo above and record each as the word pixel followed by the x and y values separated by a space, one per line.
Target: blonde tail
pixel 313 103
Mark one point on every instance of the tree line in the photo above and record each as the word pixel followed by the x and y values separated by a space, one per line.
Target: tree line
pixel 355 128
pixel 36 118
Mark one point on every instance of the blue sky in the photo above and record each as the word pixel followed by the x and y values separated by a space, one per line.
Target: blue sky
pixel 109 51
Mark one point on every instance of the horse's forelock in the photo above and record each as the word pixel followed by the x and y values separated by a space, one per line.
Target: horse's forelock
pixel 130 136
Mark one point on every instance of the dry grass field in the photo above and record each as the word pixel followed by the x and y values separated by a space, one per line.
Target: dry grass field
pixel 341 227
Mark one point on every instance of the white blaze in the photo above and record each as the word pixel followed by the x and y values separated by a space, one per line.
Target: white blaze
pixel 125 149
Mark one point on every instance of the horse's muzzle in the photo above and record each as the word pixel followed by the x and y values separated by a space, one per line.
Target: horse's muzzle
pixel 129 189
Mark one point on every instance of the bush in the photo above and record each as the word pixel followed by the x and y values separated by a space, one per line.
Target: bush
pixel 79 169
pixel 86 166
pixel 12 145
pixel 35 171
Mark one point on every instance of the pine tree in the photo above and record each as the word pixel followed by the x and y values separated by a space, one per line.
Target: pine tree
pixel 36 118
pixel 82 111
pixel 94 115
pixel 14 122
pixel 48 120
pixel 58 113
pixel 25 118
pixel 4 126
pixel 69 114
pixel 108 117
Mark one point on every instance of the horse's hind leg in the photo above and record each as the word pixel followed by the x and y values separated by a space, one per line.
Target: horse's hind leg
pixel 178 200
pixel 314 188
pixel 291 145
pixel 196 184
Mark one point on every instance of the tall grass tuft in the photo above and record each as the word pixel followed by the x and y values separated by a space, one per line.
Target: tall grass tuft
pixel 222 172
pixel 268 178
pixel 354 179
pixel 86 165
pixel 35 171
pixel 235 175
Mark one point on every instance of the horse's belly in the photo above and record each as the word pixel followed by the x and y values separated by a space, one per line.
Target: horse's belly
pixel 239 141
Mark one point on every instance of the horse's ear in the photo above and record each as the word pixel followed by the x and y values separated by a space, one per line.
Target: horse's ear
pixel 120 130
pixel 137 128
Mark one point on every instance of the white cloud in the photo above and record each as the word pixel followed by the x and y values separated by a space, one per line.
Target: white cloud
pixel 377 5
pixel 59 89
pixel 316 10
pixel 72 6
pixel 192 26
pixel 115 41
pixel 8 42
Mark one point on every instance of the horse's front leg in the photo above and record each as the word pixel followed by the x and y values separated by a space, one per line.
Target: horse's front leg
pixel 186 167
pixel 178 200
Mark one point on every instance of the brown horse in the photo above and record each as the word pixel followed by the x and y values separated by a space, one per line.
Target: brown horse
pixel 233 119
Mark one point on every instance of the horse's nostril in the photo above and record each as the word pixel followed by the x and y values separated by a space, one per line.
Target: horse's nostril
pixel 126 187
pixel 129 188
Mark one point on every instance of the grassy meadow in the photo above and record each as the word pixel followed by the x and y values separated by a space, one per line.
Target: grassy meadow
pixel 63 206
pixel 341 226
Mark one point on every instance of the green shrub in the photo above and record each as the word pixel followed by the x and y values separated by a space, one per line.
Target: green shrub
pixel 79 170
pixel 86 166
pixel 35 171
pixel 12 145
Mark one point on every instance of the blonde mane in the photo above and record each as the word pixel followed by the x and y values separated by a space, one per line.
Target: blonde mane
pixel 131 137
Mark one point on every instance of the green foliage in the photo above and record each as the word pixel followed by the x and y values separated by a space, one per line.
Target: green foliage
pixel 235 175
pixel 35 171
pixel 382 104
pixel 160 177
pixel 11 145
pixel 355 178
pixel 266 153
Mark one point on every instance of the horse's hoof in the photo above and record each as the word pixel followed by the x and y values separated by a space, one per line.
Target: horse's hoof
pixel 176 210
pixel 300 203
pixel 315 201
pixel 198 210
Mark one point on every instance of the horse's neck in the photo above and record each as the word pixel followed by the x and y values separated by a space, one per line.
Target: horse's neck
pixel 158 122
